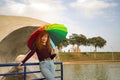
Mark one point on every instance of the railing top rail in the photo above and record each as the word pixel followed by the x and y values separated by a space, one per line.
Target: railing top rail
pixel 28 64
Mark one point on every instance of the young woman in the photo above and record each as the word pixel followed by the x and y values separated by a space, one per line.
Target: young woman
pixel 45 55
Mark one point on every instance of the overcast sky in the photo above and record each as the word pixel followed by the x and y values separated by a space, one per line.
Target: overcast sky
pixel 91 18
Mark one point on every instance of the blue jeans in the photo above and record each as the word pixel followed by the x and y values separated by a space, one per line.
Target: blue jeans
pixel 47 68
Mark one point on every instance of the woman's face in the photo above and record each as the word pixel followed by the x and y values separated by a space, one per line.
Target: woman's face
pixel 44 38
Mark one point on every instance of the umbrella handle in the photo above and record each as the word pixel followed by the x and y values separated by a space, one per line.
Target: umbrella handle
pixel 52 43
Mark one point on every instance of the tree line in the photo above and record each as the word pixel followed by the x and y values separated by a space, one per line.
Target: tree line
pixel 80 39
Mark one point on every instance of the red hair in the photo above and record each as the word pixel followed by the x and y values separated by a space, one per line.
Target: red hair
pixel 38 42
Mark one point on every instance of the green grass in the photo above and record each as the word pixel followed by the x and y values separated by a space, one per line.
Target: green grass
pixel 89 56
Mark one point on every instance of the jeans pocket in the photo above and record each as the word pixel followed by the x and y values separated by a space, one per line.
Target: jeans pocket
pixel 43 64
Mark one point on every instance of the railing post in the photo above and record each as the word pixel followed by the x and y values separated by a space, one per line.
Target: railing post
pixel 61 71
pixel 24 71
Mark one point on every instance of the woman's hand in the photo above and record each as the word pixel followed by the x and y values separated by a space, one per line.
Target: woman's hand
pixel 20 63
pixel 54 51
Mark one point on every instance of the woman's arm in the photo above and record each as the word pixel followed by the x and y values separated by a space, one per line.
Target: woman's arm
pixel 54 53
pixel 28 56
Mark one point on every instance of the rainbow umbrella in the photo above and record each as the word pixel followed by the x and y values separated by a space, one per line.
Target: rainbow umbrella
pixel 57 34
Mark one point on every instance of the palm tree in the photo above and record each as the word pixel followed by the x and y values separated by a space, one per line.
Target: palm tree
pixel 97 42
pixel 78 40
pixel 72 40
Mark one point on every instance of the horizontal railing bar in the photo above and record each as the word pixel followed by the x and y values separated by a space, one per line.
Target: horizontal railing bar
pixel 44 78
pixel 17 73
pixel 8 64
pixel 58 70
pixel 38 79
pixel 16 64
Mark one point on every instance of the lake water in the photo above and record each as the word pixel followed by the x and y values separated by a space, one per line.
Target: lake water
pixel 91 71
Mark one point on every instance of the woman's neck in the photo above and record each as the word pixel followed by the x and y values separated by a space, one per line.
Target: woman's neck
pixel 44 44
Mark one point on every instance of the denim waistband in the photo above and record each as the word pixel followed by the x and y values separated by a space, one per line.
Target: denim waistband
pixel 46 59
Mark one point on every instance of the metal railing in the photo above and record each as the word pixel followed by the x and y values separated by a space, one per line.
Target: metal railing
pixel 30 72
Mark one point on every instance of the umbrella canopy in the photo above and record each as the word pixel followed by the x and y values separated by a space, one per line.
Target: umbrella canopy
pixel 57 34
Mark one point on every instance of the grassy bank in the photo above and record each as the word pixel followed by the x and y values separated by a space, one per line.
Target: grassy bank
pixel 66 57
